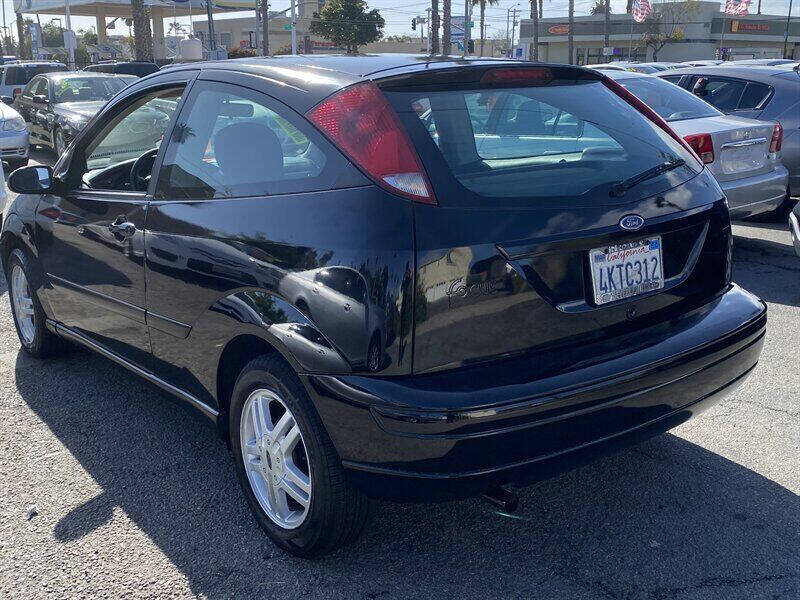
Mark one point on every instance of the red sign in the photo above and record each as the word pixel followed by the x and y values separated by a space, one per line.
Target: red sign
pixel 737 26
pixel 559 29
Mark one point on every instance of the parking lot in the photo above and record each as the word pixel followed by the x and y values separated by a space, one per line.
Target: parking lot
pixel 135 495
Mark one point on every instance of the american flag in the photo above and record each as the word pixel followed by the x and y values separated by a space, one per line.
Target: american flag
pixel 737 7
pixel 641 9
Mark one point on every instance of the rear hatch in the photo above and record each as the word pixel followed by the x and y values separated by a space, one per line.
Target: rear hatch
pixel 564 218
pixel 741 146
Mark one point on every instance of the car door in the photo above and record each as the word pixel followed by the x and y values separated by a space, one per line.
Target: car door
pixel 41 109
pixel 24 102
pixel 91 239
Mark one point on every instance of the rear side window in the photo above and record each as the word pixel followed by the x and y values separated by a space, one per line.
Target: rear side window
pixel 233 142
pixel 724 94
pixel 569 140
pixel 669 101
pixel 754 95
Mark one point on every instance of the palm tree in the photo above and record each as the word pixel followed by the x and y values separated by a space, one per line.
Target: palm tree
pixel 434 27
pixel 446 27
pixel 482 4
pixel 535 17
pixel 570 40
pixel 541 5
pixel 143 38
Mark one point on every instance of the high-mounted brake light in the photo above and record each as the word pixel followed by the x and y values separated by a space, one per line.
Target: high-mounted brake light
pixel 702 145
pixel 522 75
pixel 648 112
pixel 363 125
pixel 777 138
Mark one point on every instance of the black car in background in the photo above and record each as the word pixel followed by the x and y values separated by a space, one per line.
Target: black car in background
pixel 530 269
pixel 768 93
pixel 56 106
pixel 138 68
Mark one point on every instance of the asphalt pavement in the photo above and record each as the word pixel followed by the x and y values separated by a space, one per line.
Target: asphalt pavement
pixel 135 495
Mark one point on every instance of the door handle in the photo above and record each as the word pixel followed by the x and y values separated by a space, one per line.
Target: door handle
pixel 122 227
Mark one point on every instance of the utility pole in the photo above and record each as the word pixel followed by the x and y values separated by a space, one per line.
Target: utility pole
pixel 69 34
pixel 294 28
pixel 467 28
pixel 265 26
pixel 212 44
pixel 535 16
pixel 786 33
pixel 607 25
pixel 428 27
pixel 513 29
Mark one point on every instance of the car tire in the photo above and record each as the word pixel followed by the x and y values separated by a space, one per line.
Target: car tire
pixel 29 316
pixel 59 143
pixel 335 512
pixel 17 163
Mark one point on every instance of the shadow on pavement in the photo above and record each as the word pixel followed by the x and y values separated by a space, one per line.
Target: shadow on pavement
pixel 666 519
pixel 768 267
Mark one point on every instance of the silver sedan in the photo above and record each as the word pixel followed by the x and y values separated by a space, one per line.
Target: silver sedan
pixel 14 144
pixel 742 154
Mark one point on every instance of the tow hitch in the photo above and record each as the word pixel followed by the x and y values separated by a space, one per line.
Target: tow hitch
pixel 503 498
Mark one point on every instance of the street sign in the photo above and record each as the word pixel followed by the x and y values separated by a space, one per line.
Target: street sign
pixel 607 51
pixel 288 27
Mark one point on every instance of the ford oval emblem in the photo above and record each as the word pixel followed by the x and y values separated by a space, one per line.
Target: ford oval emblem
pixel 631 222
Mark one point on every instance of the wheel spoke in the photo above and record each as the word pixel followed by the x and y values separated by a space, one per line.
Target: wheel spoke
pixel 282 426
pixel 281 504
pixel 297 478
pixel 258 418
pixel 290 441
pixel 297 495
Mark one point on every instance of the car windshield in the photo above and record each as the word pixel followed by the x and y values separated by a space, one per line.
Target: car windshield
pixel 671 102
pixel 569 139
pixel 86 89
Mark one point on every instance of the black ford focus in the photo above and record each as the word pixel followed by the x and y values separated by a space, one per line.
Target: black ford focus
pixel 388 276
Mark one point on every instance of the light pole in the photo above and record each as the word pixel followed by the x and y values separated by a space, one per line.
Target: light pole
pixel 508 31
pixel 294 27
pixel 786 33
pixel 69 35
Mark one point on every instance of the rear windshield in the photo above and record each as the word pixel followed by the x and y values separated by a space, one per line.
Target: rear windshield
pixel 671 102
pixel 566 141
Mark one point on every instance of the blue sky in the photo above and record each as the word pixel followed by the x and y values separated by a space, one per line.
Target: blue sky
pixel 398 13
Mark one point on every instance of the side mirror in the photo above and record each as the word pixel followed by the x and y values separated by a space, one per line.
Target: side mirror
pixel 31 180
pixel 40 99
pixel 7 100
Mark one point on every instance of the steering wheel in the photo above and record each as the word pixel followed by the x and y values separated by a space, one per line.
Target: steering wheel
pixel 141 169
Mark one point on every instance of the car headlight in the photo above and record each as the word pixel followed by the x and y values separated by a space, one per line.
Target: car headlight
pixel 14 124
pixel 75 124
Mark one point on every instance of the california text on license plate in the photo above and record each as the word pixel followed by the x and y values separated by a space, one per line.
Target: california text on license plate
pixel 626 270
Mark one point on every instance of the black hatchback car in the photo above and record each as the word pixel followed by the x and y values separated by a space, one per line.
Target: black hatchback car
pixel 388 276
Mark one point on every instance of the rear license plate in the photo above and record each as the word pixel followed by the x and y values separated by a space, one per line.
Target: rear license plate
pixel 626 270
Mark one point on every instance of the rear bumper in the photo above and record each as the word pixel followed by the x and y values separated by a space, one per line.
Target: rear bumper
pixel 455 434
pixel 758 194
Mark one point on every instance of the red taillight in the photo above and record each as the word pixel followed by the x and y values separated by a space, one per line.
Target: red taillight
pixel 648 112
pixel 519 75
pixel 362 124
pixel 777 138
pixel 16 92
pixel 702 145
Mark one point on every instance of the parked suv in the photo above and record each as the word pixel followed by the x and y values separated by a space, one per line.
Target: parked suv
pixel 15 76
pixel 547 266
pixel 135 67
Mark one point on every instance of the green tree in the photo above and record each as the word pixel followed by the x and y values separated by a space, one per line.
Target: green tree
pixel 664 25
pixel 599 8
pixel 481 4
pixel 348 23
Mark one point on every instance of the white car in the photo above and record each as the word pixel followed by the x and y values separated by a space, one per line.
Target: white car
pixel 742 154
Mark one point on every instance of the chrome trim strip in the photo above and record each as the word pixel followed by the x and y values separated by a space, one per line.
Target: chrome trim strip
pixel 743 143
pixel 167 325
pixel 115 305
pixel 186 397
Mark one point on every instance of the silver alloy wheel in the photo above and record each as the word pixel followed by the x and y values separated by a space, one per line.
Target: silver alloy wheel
pixel 61 145
pixel 23 304
pixel 275 458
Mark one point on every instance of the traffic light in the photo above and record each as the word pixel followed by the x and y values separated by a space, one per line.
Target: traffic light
pixel 413 24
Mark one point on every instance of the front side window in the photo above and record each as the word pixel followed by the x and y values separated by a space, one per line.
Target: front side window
pixel 567 140
pixel 754 95
pixel 137 131
pixel 231 142
pixel 724 94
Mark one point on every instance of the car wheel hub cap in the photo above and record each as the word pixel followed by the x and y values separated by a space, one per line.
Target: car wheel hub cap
pixel 23 304
pixel 275 459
